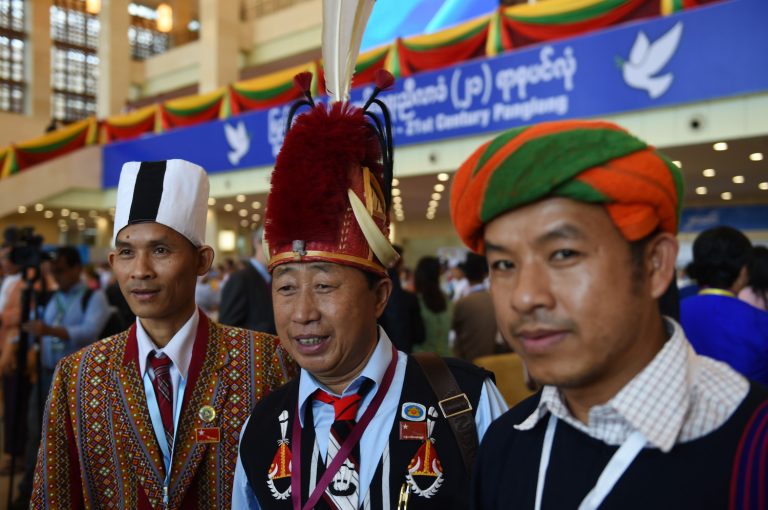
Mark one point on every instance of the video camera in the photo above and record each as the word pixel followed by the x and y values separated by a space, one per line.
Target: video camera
pixel 26 246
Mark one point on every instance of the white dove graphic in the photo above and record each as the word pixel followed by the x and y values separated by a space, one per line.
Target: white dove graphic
pixel 238 140
pixel 646 59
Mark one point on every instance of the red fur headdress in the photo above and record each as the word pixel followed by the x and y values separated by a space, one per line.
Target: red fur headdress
pixel 331 153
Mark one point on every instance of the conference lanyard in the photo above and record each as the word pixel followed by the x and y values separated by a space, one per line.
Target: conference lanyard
pixel 716 292
pixel 344 451
pixel 615 468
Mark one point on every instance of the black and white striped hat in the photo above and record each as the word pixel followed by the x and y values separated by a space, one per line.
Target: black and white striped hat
pixel 173 193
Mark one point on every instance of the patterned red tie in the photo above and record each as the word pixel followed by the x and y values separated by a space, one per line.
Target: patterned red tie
pixel 160 375
pixel 343 491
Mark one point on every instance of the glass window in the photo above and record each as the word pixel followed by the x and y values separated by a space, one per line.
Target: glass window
pixel 74 60
pixel 12 47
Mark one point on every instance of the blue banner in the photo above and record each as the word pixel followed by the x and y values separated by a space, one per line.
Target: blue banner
pixel 705 53
pixel 698 219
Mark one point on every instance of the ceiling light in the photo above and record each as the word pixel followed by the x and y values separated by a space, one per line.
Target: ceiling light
pixel 701 190
pixel 74 215
pixel 433 203
pixel 256 205
pixel 229 207
pixel 679 164
pixel 430 216
pixel 243 213
pixel 93 213
pixel 164 21
pixel 439 188
pixel 81 221
pixel 727 195
pixel 395 192
pixel 443 177
pixel 256 217
pixel 395 183
pixel 62 223
pixel 211 201
pixel 397 200
pixel 763 185
pixel 92 6
pixel 709 172
pixel 436 196
pixel 720 146
pixel 244 223
pixel 22 209
pixel 756 156
pixel 39 207
pixel 738 179
pixel 240 198
pixel 65 212
pixel 48 214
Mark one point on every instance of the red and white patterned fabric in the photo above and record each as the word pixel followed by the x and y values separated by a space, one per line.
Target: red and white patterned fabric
pixel 99 449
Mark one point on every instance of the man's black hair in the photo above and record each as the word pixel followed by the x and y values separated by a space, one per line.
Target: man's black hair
pixel 475 267
pixel 719 254
pixel 69 255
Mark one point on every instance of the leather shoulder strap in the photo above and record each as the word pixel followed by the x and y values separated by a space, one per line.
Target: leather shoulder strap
pixel 454 404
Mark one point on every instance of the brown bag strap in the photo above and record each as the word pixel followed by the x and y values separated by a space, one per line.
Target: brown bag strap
pixel 454 404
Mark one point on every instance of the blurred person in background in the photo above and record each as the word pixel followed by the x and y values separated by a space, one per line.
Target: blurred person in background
pixel 402 318
pixel 756 291
pixel 10 317
pixel 91 277
pixel 207 296
pixel 456 280
pixel 246 298
pixel 435 307
pixel 474 321
pixel 718 324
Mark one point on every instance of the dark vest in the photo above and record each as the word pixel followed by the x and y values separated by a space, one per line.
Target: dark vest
pixel 703 474
pixel 446 490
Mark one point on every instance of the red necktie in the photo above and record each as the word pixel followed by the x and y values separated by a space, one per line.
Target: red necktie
pixel 343 492
pixel 160 375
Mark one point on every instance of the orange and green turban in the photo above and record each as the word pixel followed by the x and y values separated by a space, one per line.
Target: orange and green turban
pixel 588 161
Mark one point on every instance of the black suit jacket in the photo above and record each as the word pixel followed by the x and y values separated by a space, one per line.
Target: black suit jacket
pixel 246 301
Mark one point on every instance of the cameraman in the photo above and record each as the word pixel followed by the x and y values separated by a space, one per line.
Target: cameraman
pixel 10 316
pixel 71 320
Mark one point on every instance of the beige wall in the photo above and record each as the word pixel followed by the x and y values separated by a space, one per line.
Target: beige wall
pixel 18 128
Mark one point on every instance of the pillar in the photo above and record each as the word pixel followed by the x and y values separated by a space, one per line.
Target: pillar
pixel 114 58
pixel 39 68
pixel 219 43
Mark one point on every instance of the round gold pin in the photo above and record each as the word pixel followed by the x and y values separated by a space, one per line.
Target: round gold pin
pixel 207 414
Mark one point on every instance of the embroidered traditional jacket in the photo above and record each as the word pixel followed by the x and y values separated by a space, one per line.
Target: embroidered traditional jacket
pixel 99 449
pixel 432 465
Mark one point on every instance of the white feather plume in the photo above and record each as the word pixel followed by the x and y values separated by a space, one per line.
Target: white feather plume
pixel 343 26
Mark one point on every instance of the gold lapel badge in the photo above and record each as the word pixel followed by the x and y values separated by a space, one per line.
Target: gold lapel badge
pixel 207 414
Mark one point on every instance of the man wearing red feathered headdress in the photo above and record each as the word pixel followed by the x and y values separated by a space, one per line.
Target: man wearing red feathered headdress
pixel 364 426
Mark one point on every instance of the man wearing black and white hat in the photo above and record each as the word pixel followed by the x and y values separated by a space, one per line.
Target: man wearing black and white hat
pixel 149 418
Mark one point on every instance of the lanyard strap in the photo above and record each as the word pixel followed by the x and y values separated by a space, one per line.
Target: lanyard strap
pixel 716 292
pixel 344 451
pixel 63 307
pixel 619 463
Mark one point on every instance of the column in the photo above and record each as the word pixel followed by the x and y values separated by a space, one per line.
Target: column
pixel 219 43
pixel 114 58
pixel 39 69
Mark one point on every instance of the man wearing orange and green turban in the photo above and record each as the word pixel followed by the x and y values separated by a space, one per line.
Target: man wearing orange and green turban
pixel 578 222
